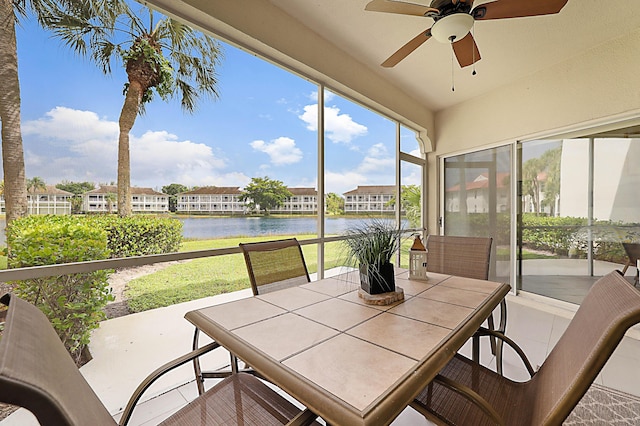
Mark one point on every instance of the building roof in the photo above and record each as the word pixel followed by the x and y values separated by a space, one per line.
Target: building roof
pixel 49 190
pixel 372 189
pixel 482 182
pixel 214 190
pixel 303 191
pixel 112 189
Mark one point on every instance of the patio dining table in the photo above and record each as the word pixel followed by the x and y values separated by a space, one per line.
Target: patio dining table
pixel 349 362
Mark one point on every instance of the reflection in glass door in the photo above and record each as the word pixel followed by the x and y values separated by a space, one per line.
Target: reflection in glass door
pixel 579 203
pixel 477 202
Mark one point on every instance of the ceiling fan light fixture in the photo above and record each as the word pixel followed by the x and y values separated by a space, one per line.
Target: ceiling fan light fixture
pixel 452 28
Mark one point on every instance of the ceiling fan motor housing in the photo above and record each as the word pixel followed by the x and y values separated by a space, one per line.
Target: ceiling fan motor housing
pixel 452 28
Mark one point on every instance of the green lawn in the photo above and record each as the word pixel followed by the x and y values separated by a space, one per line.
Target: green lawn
pixel 208 276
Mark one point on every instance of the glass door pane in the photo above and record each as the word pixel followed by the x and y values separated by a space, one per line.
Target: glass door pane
pixel 478 203
pixel 579 204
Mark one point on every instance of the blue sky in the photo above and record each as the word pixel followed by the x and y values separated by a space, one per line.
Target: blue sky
pixel 263 124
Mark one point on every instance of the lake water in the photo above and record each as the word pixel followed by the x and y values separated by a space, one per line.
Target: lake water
pixel 219 227
pixel 206 228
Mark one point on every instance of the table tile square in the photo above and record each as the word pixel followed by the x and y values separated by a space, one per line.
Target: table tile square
pixel 241 312
pixel 338 313
pixel 284 335
pixel 355 371
pixel 455 296
pixel 409 337
pixel 432 311
pixel 334 286
pixel 413 287
pixel 433 277
pixel 481 286
pixel 293 298
pixel 353 297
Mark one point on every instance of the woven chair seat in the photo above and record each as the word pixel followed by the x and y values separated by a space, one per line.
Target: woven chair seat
pixel 610 308
pixel 240 399
pixel 505 396
pixel 37 373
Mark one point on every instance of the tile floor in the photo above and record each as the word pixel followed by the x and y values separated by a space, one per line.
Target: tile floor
pixel 126 349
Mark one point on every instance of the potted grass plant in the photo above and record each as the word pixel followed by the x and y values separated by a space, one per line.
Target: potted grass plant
pixel 370 246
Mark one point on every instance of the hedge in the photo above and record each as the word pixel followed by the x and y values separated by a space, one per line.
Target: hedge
pixel 74 303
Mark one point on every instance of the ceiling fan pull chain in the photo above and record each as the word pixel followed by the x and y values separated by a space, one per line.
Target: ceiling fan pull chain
pixel 473 49
pixel 453 84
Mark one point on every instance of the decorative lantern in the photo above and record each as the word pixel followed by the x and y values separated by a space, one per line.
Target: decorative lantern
pixel 417 260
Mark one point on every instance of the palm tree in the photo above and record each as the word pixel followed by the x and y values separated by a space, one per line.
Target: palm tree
pixel 11 11
pixel 109 199
pixel 166 55
pixel 35 183
pixel 12 151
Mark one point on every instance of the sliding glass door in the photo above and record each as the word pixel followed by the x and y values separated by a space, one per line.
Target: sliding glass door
pixel 579 202
pixel 477 202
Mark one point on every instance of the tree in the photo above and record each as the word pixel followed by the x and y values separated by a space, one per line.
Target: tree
pixel 35 183
pixel 335 204
pixel 109 199
pixel 172 191
pixel 15 193
pixel 552 160
pixel 264 194
pixel 76 188
pixel 410 198
pixel 166 56
pixel 531 169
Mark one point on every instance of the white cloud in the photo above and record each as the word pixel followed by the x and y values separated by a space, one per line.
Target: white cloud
pixel 340 128
pixel 328 96
pixel 68 144
pixel 375 168
pixel 281 151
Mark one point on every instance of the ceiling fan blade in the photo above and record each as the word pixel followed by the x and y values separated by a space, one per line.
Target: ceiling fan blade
pixel 501 9
pixel 405 50
pixel 466 51
pixel 399 7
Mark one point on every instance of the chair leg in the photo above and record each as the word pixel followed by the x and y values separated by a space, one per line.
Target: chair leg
pixel 496 344
pixel 502 328
pixel 196 364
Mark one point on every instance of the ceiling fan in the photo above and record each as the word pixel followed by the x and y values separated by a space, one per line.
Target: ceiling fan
pixel 453 20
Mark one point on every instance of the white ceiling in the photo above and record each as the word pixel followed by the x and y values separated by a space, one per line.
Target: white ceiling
pixel 510 48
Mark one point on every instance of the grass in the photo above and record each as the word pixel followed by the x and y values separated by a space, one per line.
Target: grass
pixel 211 276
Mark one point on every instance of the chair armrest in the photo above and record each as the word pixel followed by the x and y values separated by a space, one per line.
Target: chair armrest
pixel 306 417
pixel 156 374
pixel 498 335
pixel 472 396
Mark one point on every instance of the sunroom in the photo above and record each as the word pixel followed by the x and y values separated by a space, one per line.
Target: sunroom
pixel 536 145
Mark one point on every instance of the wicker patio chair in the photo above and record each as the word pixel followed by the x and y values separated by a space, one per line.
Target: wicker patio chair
pixel 633 254
pixel 274 265
pixel 37 373
pixel 466 393
pixel 467 257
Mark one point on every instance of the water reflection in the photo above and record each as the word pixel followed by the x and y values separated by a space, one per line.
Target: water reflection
pixel 221 227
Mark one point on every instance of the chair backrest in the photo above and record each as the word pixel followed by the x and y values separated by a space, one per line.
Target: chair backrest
pixel 462 256
pixel 633 251
pixel 37 372
pixel 609 309
pixel 274 265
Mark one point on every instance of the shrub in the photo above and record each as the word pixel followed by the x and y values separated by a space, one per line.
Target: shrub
pixel 73 303
pixel 140 235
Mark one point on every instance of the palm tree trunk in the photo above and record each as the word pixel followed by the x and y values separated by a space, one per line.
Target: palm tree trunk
pixel 127 119
pixel 15 186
